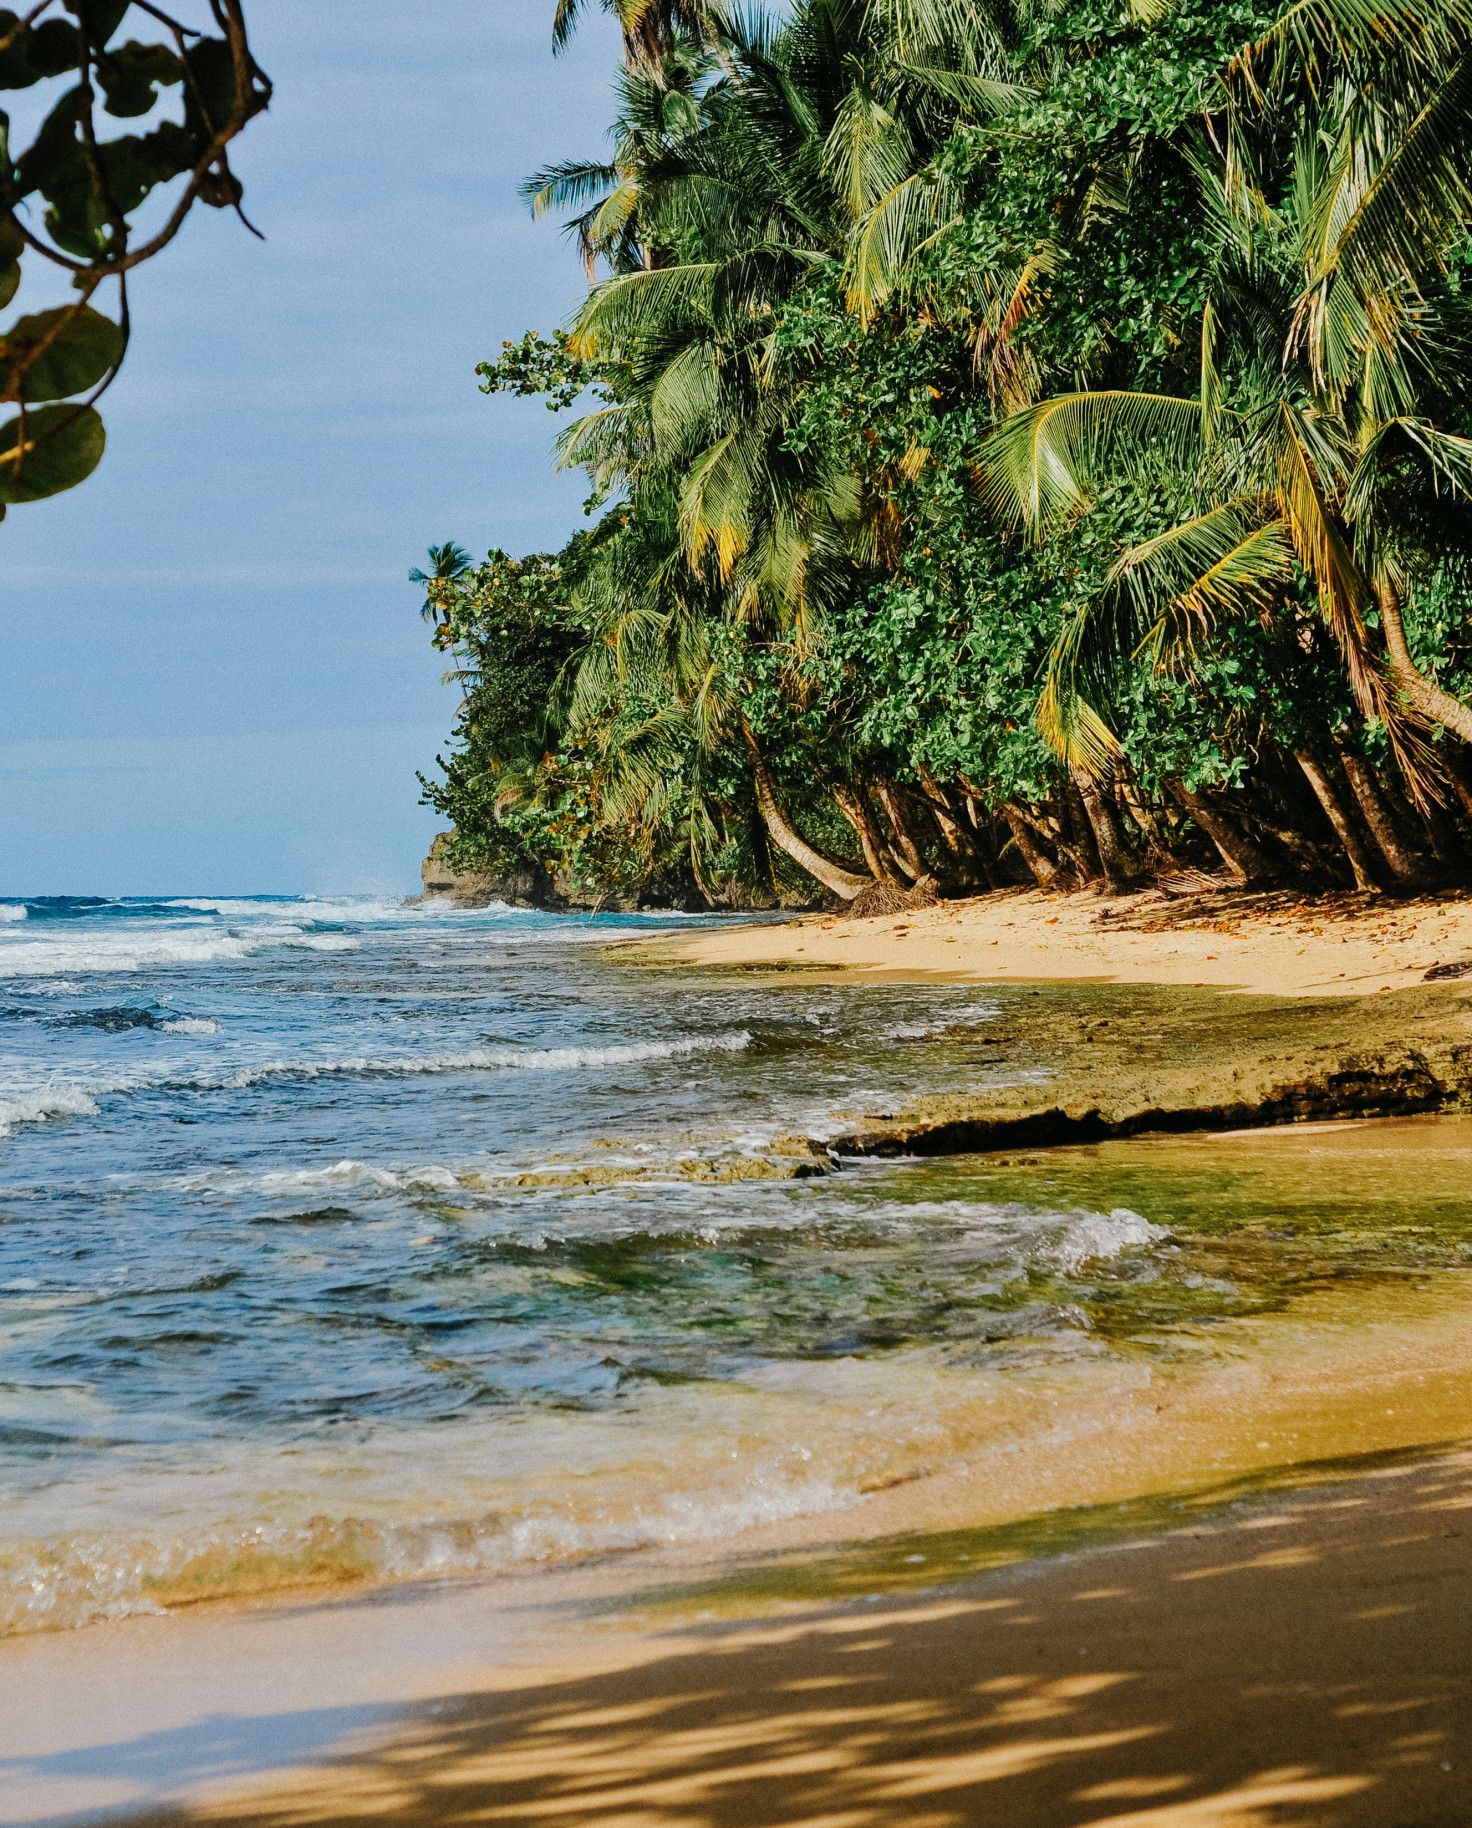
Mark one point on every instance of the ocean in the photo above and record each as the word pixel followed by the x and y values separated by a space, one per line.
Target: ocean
pixel 356 1240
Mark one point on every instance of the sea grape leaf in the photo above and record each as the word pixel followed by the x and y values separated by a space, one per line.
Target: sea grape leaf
pixel 64 445
pixel 36 51
pixel 129 76
pixel 83 351
pixel 101 17
pixel 12 246
pixel 211 87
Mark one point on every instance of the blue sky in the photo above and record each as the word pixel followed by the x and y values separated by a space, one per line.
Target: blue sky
pixel 215 678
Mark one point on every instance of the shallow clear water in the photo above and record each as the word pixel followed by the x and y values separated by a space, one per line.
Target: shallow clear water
pixel 354 1239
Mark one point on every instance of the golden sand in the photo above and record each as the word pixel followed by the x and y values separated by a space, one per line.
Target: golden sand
pixel 1334 945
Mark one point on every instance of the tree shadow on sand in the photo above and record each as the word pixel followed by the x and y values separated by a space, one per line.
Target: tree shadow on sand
pixel 1308 1666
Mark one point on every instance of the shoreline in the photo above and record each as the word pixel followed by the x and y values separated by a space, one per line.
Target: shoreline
pixel 1244 1458
pixel 1150 1016
pixel 1213 1663
pixel 1266 1510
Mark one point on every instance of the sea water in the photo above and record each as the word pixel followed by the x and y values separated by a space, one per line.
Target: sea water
pixel 353 1239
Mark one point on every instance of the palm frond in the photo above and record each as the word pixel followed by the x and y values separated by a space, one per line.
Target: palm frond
pixel 1218 563
pixel 1064 717
pixel 1036 466
pixel 568 185
pixel 918 209
pixel 1416 206
pixel 644 304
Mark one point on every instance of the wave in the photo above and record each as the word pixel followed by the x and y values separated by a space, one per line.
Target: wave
pixel 82 1580
pixel 286 1183
pixel 12 910
pixel 79 1100
pixel 140 950
pixel 474 1059
pixel 36 1107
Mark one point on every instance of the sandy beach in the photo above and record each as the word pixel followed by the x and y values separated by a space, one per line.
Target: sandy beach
pixel 1277 945
pixel 1304 1662
pixel 1220 1585
pixel 1230 1592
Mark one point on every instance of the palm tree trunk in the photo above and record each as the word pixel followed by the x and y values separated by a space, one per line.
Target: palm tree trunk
pixel 1241 855
pixel 1359 857
pixel 786 836
pixel 1044 870
pixel 850 802
pixel 1403 866
pixel 909 851
pixel 1117 864
pixel 1424 694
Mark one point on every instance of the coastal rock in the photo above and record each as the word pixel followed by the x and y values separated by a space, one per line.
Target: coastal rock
pixel 522 888
pixel 1173 1062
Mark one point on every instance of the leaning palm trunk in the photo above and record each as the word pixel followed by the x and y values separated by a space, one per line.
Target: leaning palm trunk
pixel 850 802
pixel 1044 870
pixel 1339 817
pixel 1378 817
pixel 1114 860
pixel 786 836
pixel 1423 694
pixel 1242 856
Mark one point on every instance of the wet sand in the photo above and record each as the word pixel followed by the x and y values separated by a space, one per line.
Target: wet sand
pixel 1208 1595
pixel 1303 1663
pixel 1224 1586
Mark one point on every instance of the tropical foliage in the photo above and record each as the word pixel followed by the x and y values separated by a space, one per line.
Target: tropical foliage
pixel 79 203
pixel 1029 441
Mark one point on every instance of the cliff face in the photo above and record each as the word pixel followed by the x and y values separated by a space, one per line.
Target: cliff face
pixel 520 888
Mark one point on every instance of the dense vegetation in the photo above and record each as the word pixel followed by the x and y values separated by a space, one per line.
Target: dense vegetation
pixel 87 206
pixel 1030 440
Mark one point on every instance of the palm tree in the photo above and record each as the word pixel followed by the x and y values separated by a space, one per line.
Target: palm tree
pixel 617 200
pixel 650 28
pixel 448 563
pixel 1330 353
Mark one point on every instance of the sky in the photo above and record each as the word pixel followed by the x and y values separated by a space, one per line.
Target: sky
pixel 215 679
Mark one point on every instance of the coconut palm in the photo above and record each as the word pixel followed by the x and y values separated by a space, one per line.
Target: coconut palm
pixel 650 28
pixel 1318 445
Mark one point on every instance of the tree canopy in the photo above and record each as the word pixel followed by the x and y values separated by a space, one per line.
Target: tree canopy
pixel 1029 441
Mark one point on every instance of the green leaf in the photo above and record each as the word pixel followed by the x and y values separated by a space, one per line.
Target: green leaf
pixel 45 50
pixel 80 355
pixel 101 17
pixel 129 76
pixel 63 446
pixel 12 246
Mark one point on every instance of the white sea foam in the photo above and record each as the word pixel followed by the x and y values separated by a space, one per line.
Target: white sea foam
pixel 138 949
pixel 287 1183
pixel 481 1059
pixel 50 1101
pixel 1096 1235
pixel 24 1105
pixel 62 1584
pixel 11 910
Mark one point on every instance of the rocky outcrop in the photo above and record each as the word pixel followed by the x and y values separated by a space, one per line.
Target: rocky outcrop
pixel 1114 1062
pixel 526 887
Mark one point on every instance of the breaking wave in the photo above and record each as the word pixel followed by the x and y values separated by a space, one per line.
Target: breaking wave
pixel 137 950
pixel 36 1107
